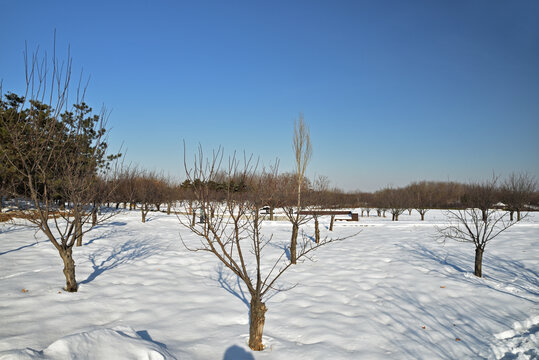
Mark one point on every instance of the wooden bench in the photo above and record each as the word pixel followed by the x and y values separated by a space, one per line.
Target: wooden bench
pixel 332 213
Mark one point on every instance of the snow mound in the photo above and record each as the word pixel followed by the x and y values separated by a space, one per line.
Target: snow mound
pixel 120 342
pixel 521 343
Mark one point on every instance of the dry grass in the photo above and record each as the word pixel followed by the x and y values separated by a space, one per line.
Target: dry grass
pixel 30 215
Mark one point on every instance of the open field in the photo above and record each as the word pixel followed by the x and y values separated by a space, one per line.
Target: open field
pixel 390 292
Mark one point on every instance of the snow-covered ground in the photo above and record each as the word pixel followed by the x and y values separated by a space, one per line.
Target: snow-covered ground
pixel 391 292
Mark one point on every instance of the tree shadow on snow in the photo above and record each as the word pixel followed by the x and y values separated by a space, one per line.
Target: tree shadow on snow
pixel 146 336
pixel 17 249
pixel 111 224
pixel 111 230
pixel 237 353
pixel 284 247
pixel 100 237
pixel 14 228
pixel 394 302
pixel 497 271
pixel 127 252
pixel 232 284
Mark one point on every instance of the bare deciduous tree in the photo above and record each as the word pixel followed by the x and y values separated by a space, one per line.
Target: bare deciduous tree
pixel 234 234
pixel 150 191
pixel 58 152
pixel 422 196
pixel 477 225
pixel 302 156
pixel 517 192
pixel 481 195
pixel 318 200
pixel 394 200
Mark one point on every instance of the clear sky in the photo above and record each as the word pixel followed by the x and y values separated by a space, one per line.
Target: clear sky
pixel 393 91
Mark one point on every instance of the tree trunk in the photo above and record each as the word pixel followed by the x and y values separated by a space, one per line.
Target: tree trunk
pixel 293 243
pixel 362 211
pixel 169 205
pixel 368 212
pixel 77 234
pixel 193 219
pixel 94 216
pixel 511 215
pixel 316 230
pixel 256 327
pixel 422 216
pixel 409 211
pixel 518 215
pixel 478 262
pixel 331 222
pixel 143 213
pixel 69 270
pixel 271 213
pixel 484 214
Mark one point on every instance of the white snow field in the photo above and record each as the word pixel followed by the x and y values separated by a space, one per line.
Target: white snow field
pixel 391 292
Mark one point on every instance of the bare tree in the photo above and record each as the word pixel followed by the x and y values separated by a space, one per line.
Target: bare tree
pixel 476 225
pixel 318 200
pixel 150 191
pixel 517 192
pixel 482 195
pixel 394 200
pixel 172 195
pixel 302 155
pixel 58 152
pixel 421 196
pixel 234 235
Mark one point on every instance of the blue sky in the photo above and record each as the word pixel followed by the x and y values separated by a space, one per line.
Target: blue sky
pixel 393 91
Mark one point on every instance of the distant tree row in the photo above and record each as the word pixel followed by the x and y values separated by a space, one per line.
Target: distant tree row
pixel 517 193
pixel 146 190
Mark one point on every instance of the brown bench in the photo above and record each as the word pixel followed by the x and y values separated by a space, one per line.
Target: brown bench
pixel 354 216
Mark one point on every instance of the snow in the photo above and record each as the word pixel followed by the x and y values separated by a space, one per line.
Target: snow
pixel 391 291
pixel 116 343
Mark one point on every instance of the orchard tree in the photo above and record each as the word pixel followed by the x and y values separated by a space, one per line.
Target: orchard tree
pixel 317 199
pixel 302 155
pixel 394 200
pixel 421 197
pixel 517 193
pixel 482 195
pixel 125 190
pixel 235 234
pixel 150 191
pixel 58 152
pixel 477 225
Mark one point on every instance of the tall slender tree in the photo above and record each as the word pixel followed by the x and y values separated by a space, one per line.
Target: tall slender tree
pixel 302 148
